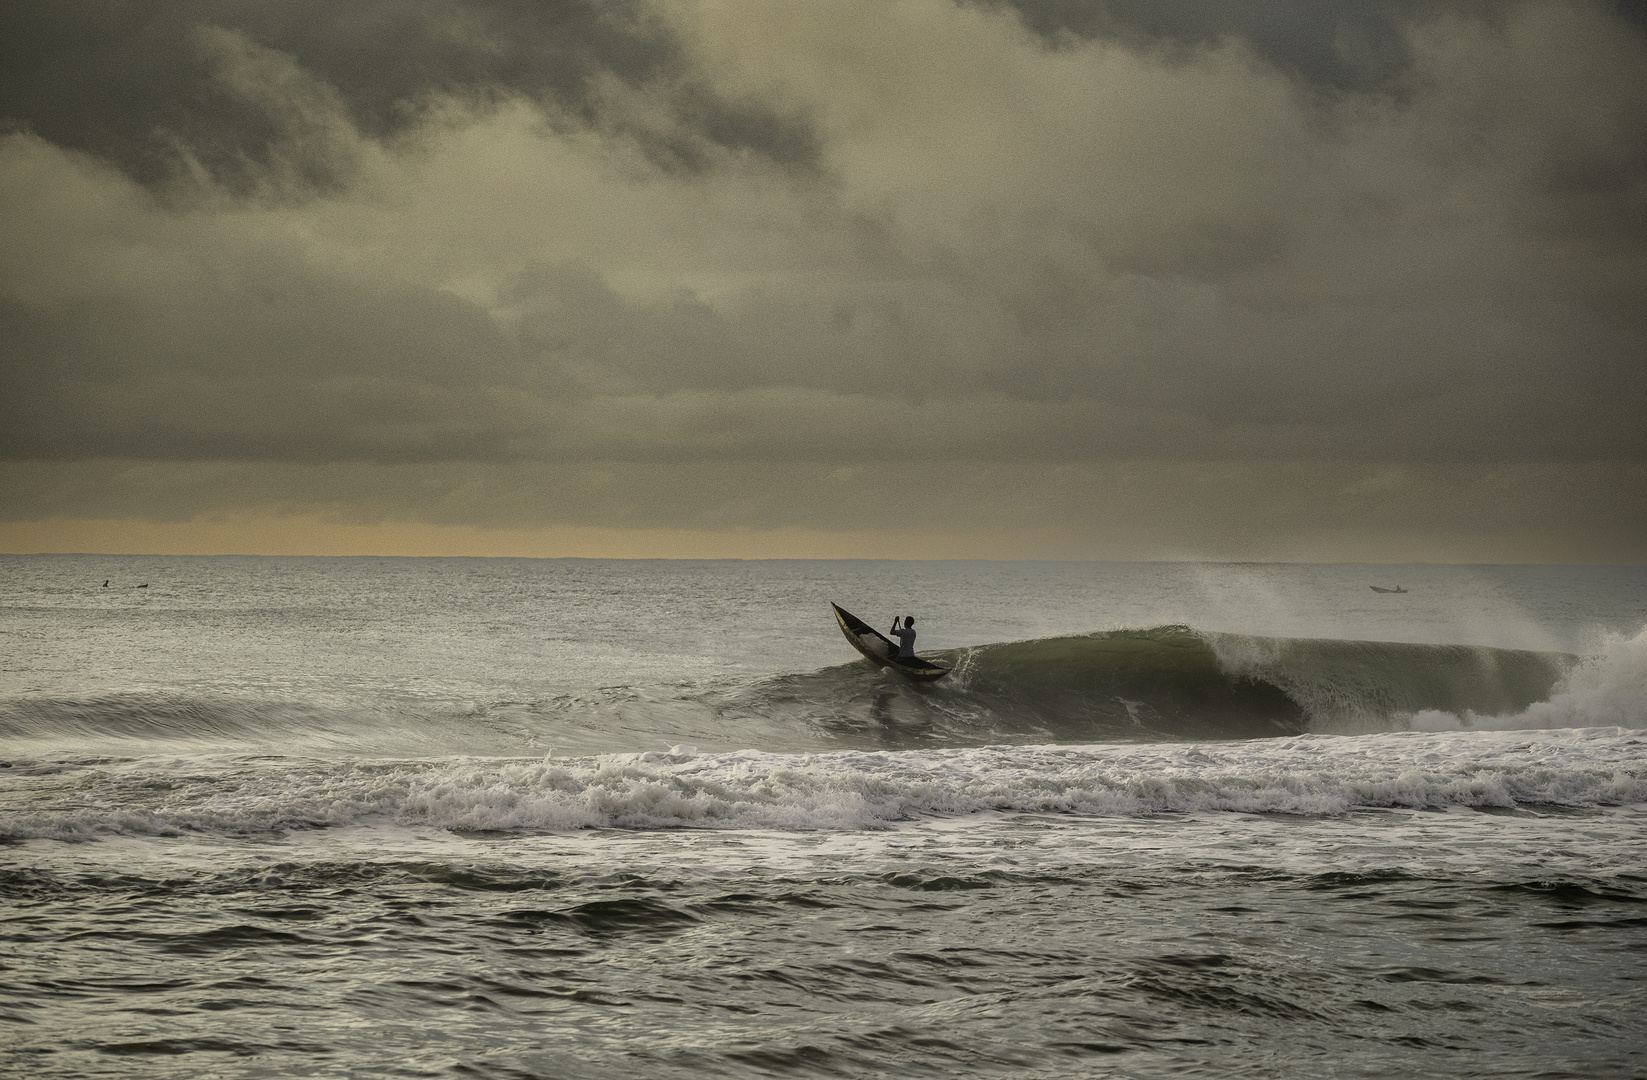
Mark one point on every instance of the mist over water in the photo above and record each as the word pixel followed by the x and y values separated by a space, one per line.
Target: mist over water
pixel 573 817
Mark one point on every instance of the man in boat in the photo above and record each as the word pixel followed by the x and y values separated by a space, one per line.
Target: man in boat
pixel 905 635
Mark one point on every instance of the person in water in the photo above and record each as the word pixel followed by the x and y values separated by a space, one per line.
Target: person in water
pixel 905 635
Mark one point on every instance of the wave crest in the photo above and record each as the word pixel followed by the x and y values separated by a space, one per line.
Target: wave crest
pixel 1171 682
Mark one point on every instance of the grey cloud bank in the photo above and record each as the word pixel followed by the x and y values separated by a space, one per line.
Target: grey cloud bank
pixel 1236 273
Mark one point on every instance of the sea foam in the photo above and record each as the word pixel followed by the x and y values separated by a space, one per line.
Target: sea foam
pixel 839 791
pixel 1608 688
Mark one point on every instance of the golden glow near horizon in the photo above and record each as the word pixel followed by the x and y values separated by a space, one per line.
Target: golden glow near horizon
pixel 316 536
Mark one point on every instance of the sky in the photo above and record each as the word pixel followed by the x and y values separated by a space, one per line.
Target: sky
pixel 1318 280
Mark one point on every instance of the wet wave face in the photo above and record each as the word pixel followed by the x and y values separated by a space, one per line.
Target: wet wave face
pixel 1170 682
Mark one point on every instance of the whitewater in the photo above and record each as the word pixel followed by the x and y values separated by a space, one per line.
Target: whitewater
pixel 412 817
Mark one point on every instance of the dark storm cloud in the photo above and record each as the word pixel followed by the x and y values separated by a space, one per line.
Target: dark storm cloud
pixel 578 262
pixel 1340 44
pixel 282 368
pixel 1335 44
pixel 144 83
pixel 1365 46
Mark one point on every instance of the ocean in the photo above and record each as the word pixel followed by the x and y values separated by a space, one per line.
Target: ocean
pixel 279 817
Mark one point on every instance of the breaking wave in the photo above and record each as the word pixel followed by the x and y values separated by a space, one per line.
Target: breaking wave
pixel 1609 688
pixel 841 790
pixel 1169 682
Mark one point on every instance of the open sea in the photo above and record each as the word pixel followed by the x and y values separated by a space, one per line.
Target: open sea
pixel 294 817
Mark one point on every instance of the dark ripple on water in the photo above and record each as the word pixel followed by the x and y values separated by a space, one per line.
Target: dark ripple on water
pixel 426 968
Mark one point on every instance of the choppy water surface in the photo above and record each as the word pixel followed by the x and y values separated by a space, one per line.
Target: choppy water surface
pixel 275 817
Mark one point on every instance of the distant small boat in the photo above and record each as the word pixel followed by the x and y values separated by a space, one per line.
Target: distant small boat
pixel 1380 588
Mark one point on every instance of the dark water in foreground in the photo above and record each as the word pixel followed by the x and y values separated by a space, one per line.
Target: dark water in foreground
pixel 499 962
pixel 434 817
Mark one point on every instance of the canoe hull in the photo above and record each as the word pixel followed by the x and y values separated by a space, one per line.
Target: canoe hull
pixel 880 651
